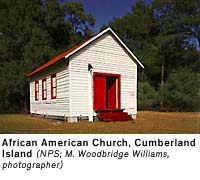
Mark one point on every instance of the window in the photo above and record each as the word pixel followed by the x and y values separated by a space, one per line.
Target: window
pixel 36 90
pixel 53 86
pixel 44 89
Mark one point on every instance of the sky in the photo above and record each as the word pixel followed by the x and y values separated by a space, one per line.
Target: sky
pixel 105 10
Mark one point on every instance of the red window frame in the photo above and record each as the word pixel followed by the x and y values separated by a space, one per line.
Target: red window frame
pixel 36 90
pixel 53 87
pixel 44 89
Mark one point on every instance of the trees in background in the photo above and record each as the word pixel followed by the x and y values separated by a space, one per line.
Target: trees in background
pixel 31 33
pixel 165 36
pixel 148 96
pixel 181 90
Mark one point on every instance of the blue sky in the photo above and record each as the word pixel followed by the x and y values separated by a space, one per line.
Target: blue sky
pixel 105 10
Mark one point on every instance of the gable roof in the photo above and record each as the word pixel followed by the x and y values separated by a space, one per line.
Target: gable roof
pixel 78 47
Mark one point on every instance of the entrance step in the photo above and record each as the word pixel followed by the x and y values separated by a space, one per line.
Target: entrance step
pixel 114 116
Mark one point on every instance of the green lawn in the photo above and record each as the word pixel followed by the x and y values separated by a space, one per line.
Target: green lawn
pixel 147 122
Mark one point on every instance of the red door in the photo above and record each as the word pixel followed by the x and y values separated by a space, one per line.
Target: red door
pixel 106 91
pixel 111 92
pixel 99 92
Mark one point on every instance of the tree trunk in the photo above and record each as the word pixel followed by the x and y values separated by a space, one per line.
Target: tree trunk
pixel 162 84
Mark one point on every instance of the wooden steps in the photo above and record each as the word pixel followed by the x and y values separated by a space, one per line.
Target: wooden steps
pixel 114 116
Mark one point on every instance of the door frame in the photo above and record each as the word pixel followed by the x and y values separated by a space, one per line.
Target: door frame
pixel 118 88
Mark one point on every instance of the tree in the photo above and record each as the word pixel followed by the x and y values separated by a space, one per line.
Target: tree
pixel 166 37
pixel 31 33
pixel 79 21
pixel 147 96
pixel 175 19
pixel 161 35
pixel 188 20
pixel 181 91
pixel 137 27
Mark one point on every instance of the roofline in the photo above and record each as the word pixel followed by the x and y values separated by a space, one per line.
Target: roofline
pixel 124 45
pixel 75 49
pixel 100 34
pixel 88 42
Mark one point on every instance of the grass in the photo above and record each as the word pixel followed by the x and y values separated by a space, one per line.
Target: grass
pixel 147 122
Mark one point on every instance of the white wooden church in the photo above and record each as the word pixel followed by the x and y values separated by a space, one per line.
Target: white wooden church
pixel 95 78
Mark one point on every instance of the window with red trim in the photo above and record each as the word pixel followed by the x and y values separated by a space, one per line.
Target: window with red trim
pixel 53 86
pixel 44 89
pixel 36 90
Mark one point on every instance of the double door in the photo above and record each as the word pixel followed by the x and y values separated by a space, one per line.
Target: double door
pixel 106 91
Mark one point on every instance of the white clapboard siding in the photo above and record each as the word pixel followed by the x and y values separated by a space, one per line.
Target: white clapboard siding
pixel 106 55
pixel 60 105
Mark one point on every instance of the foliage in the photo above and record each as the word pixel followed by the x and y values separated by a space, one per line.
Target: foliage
pixel 31 33
pixel 79 20
pixel 147 96
pixel 165 37
pixel 181 90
